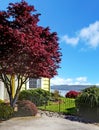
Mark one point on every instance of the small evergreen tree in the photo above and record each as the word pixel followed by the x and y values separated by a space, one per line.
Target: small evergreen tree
pixel 88 103
pixel 89 97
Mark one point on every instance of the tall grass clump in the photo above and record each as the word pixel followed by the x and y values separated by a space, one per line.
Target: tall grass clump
pixel 88 98
pixel 87 103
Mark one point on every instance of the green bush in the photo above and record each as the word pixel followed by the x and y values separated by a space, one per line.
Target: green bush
pixel 88 98
pixel 88 103
pixel 25 95
pixel 6 111
pixel 55 95
pixel 37 96
pixel 1 101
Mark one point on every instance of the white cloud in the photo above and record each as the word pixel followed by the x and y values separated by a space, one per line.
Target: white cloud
pixel 58 81
pixel 89 35
pixel 81 79
pixel 72 41
pixel 97 84
pixel 69 81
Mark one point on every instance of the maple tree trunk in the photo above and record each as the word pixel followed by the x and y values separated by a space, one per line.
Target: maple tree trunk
pixel 12 90
pixel 13 100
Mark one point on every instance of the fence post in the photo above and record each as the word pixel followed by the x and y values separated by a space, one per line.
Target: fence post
pixel 59 105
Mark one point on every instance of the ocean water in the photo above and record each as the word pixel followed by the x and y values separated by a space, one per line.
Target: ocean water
pixel 63 89
pixel 61 92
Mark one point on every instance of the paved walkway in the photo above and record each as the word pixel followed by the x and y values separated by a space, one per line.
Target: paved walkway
pixel 44 123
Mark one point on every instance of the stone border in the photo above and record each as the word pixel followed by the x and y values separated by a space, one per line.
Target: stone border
pixel 59 115
pixel 50 114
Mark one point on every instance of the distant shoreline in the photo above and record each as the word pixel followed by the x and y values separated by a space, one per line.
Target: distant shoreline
pixel 63 89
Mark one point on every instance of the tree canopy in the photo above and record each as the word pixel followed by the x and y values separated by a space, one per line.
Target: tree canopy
pixel 26 48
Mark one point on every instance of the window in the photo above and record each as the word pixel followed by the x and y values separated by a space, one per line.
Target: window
pixel 34 83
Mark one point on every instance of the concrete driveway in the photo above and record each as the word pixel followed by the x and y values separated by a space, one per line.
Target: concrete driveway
pixel 44 123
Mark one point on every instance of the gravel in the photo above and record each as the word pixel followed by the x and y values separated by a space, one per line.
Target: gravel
pixel 46 121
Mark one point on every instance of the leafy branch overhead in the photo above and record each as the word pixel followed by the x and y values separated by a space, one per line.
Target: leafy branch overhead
pixel 26 48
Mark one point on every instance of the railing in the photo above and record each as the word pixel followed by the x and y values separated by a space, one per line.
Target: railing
pixel 62 105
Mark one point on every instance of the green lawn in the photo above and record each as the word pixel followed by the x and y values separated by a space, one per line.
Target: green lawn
pixel 66 105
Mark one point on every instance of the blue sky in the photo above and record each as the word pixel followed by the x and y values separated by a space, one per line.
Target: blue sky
pixel 77 25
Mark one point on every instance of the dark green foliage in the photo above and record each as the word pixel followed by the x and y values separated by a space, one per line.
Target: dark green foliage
pixel 89 97
pixel 93 90
pixel 25 95
pixel 6 111
pixel 37 96
pixel 88 103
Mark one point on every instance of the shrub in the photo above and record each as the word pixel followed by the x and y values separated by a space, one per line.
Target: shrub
pixel 26 108
pixel 88 103
pixel 1 101
pixel 44 93
pixel 6 111
pixel 55 95
pixel 89 97
pixel 37 96
pixel 40 97
pixel 72 94
pixel 25 95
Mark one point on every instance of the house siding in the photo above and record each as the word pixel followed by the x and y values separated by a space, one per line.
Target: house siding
pixel 3 92
pixel 44 84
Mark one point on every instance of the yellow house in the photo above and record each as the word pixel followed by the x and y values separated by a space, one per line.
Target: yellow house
pixel 3 91
pixel 43 83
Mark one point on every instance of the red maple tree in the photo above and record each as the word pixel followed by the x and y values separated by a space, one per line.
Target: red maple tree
pixel 26 49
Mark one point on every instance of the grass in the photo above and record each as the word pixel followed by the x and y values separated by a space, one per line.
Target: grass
pixel 66 106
